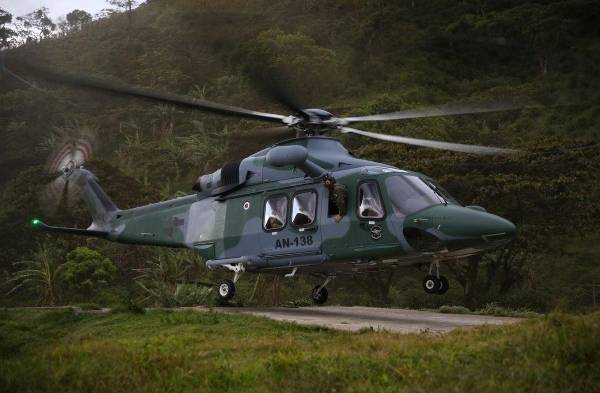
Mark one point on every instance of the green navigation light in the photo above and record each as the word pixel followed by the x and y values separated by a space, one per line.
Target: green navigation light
pixel 36 221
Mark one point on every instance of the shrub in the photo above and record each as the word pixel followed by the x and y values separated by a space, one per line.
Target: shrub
pixel 159 277
pixel 191 295
pixel 454 310
pixel 86 270
pixel 88 306
pixel 495 309
pixel 41 273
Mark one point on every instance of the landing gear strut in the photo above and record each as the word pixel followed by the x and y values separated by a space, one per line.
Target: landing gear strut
pixel 227 287
pixel 319 293
pixel 435 283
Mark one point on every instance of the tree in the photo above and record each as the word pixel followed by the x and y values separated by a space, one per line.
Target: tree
pixel 75 20
pixel 35 26
pixel 377 285
pixel 160 276
pixel 543 30
pixel 465 270
pixel 295 60
pixel 125 5
pixel 40 273
pixel 86 270
pixel 5 33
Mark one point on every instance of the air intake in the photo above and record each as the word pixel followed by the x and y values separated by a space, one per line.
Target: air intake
pixel 230 173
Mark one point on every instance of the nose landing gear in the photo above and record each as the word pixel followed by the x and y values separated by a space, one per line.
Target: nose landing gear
pixel 435 283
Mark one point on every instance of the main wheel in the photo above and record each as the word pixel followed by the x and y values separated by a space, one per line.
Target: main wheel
pixel 444 285
pixel 431 284
pixel 319 296
pixel 226 290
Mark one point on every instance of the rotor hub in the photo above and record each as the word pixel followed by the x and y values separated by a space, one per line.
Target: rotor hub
pixel 68 169
pixel 313 122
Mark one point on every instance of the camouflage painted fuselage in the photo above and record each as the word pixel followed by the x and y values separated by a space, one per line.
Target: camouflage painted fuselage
pixel 224 221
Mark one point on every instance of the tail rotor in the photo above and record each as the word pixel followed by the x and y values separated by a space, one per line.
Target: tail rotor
pixel 70 154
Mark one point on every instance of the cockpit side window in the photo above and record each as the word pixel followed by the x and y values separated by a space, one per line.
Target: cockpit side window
pixel 370 205
pixel 409 194
pixel 275 212
pixel 304 208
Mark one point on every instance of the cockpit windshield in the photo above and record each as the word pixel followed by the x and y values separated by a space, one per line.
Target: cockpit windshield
pixel 411 193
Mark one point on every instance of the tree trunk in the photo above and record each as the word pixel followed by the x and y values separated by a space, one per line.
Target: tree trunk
pixel 377 286
pixel 543 64
pixel 471 279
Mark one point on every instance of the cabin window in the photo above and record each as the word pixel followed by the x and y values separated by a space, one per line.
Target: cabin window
pixel 304 208
pixel 369 201
pixel 275 212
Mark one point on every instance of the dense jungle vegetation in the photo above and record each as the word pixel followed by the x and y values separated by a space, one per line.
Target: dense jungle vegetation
pixel 350 57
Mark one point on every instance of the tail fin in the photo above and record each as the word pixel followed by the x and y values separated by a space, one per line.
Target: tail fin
pixel 100 206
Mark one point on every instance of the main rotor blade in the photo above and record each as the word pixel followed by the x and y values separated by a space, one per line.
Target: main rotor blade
pixel 475 149
pixel 273 131
pixel 446 110
pixel 271 83
pixel 92 82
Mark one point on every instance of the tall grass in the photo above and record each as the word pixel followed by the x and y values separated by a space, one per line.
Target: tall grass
pixel 183 351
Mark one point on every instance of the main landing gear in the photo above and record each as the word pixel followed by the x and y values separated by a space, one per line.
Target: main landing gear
pixel 227 287
pixel 435 283
pixel 319 293
pixel 226 290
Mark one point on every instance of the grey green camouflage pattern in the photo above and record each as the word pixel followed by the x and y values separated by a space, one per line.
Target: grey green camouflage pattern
pixel 223 222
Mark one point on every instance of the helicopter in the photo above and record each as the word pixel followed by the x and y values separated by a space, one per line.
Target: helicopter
pixel 304 205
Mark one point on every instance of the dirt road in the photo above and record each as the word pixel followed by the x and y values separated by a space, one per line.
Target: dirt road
pixel 356 318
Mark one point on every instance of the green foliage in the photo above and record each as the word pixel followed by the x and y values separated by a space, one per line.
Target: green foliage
pixel 160 276
pixel 188 295
pixel 40 273
pixel 129 305
pixel 293 58
pixel 35 26
pixel 85 270
pixel 6 33
pixel 351 57
pixel 76 20
pixel 495 309
pixel 202 351
pixel 454 310
pixel 299 303
pixel 88 306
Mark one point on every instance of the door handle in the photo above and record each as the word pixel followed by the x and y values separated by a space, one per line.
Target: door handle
pixel 308 229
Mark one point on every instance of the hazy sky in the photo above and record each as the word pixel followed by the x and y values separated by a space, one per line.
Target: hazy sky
pixel 57 7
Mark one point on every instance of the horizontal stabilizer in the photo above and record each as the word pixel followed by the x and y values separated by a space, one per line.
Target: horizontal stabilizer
pixel 73 231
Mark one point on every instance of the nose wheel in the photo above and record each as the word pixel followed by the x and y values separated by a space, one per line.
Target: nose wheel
pixel 444 285
pixel 434 284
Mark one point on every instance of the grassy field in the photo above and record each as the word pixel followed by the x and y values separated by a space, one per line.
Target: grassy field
pixel 186 351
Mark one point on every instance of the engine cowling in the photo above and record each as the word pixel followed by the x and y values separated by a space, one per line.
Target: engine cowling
pixel 224 178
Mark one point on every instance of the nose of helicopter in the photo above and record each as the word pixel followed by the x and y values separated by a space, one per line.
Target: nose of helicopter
pixel 457 227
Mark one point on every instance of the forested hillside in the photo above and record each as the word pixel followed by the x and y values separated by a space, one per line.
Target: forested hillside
pixel 349 57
